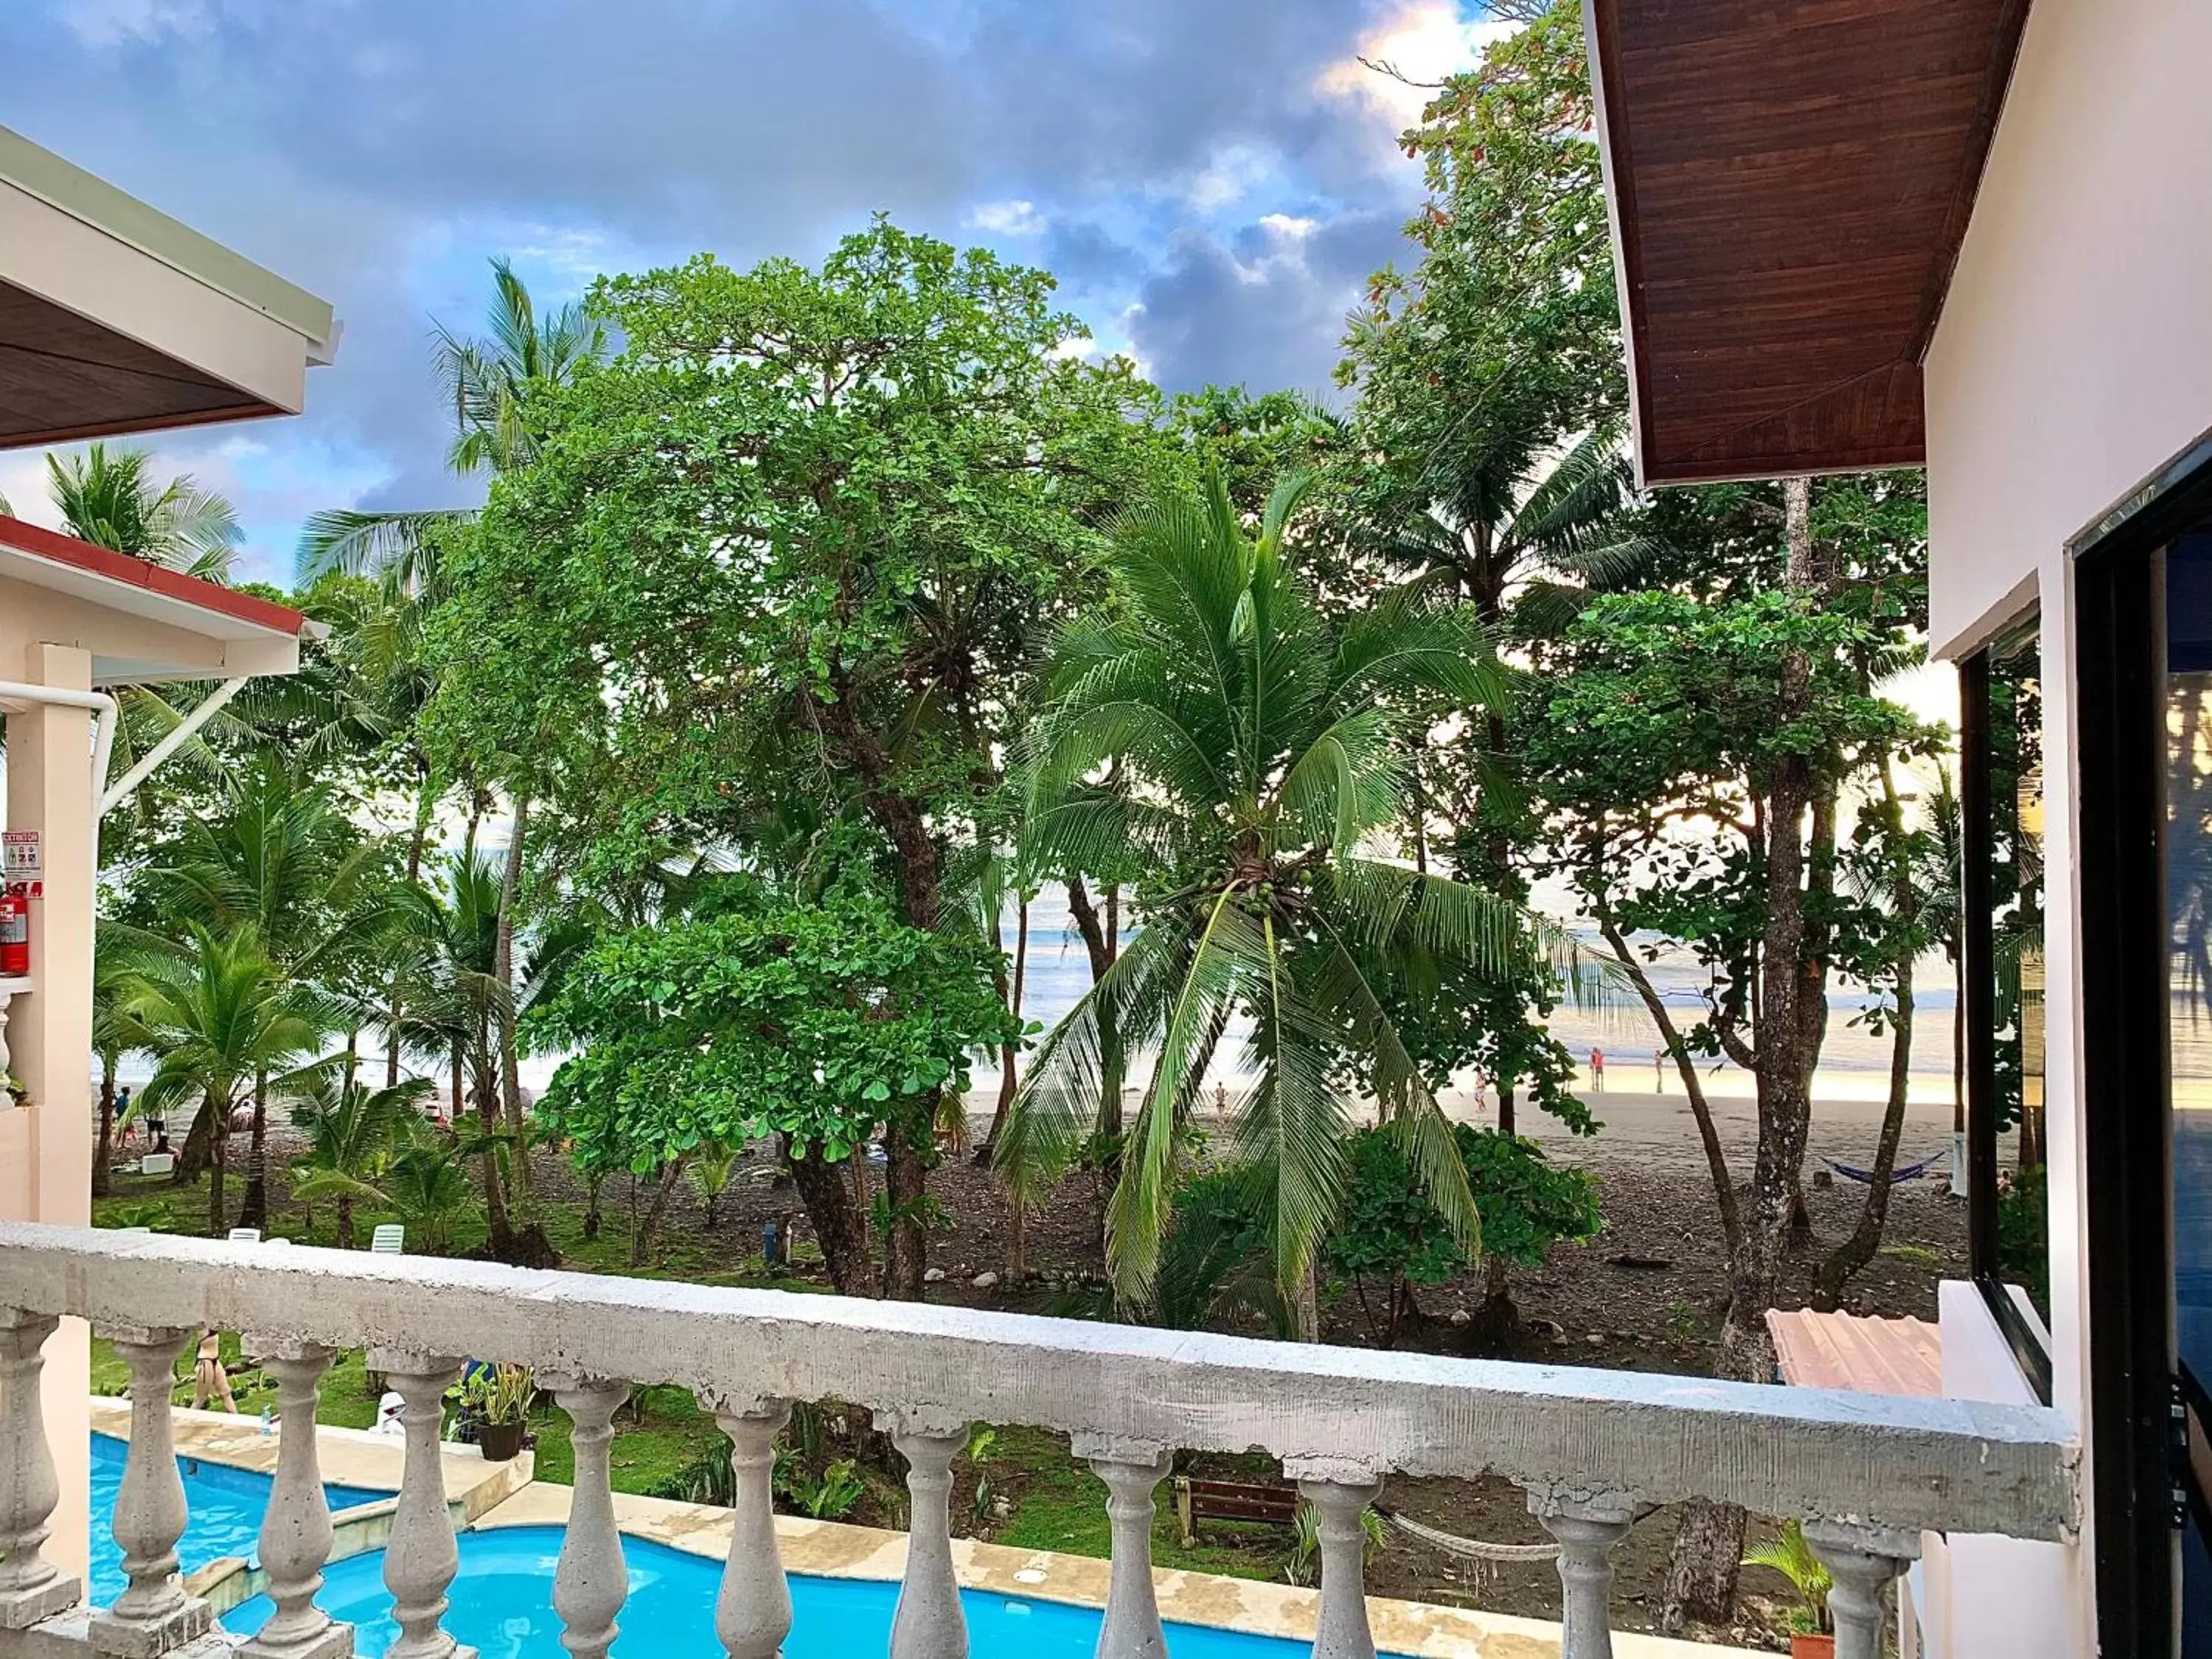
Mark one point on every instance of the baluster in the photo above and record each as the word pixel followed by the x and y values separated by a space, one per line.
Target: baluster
pixel 422 1558
pixel 1587 1531
pixel 31 1587
pixel 592 1581
pixel 1132 1475
pixel 296 1533
pixel 752 1614
pixel 1338 1507
pixel 930 1623
pixel 153 1614
pixel 1862 1560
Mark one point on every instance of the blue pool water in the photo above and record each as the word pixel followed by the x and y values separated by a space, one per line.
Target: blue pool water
pixel 226 1505
pixel 502 1606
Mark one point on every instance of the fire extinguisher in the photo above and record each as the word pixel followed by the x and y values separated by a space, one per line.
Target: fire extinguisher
pixel 15 931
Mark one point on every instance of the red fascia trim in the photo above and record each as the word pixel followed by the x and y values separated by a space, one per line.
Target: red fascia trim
pixel 169 584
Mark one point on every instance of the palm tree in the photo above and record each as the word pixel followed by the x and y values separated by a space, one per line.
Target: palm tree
pixel 223 1019
pixel 287 862
pixel 353 1133
pixel 488 384
pixel 491 384
pixel 106 496
pixel 1261 745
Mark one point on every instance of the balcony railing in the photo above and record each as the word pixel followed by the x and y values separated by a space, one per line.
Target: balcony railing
pixel 1868 1474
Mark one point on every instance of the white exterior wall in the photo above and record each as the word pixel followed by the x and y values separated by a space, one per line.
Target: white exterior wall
pixel 2073 359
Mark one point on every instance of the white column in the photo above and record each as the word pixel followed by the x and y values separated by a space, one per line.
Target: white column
pixel 422 1558
pixel 1587 1531
pixel 592 1581
pixel 1862 1560
pixel 296 1533
pixel 31 1587
pixel 752 1614
pixel 1343 1632
pixel 46 1155
pixel 153 1614
pixel 930 1623
pixel 1132 1475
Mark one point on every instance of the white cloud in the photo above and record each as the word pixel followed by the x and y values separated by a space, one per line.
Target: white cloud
pixel 1423 40
pixel 1230 174
pixel 1008 218
pixel 1288 227
pixel 23 487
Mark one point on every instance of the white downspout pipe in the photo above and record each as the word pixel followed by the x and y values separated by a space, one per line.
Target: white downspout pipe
pixel 98 704
pixel 118 792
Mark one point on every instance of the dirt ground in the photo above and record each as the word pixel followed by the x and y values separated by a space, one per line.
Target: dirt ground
pixel 1646 1295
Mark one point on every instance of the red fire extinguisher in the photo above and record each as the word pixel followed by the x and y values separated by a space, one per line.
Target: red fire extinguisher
pixel 15 931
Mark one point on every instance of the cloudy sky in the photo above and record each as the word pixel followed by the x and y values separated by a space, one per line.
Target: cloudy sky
pixel 1211 179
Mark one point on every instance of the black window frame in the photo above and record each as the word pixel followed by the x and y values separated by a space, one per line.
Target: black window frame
pixel 1978 987
pixel 2122 957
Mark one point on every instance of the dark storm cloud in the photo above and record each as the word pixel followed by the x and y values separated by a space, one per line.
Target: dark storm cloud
pixel 1266 311
pixel 373 149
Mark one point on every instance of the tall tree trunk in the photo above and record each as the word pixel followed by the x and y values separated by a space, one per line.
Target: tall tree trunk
pixel 1791 1016
pixel 103 1182
pixel 841 1227
pixel 1850 1257
pixel 642 1237
pixel 906 1187
pixel 415 843
pixel 1098 945
pixel 196 1156
pixel 909 1134
pixel 524 1194
pixel 344 1202
pixel 218 1111
pixel 499 1230
pixel 1010 1052
pixel 254 1212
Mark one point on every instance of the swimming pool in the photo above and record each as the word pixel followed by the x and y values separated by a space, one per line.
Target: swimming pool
pixel 502 1606
pixel 226 1505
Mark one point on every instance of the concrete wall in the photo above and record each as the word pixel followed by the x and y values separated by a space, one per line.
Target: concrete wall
pixel 46 1148
pixel 2073 359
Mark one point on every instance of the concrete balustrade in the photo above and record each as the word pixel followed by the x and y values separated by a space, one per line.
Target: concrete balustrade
pixel 1592 1448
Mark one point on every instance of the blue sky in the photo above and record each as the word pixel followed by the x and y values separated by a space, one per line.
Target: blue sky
pixel 1211 179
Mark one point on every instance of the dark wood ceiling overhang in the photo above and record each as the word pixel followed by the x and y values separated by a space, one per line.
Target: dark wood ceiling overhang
pixel 65 377
pixel 1790 181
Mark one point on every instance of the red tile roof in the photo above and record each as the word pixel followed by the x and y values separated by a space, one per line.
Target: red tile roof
pixel 98 561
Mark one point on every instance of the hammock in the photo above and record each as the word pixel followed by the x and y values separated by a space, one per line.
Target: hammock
pixel 1910 1172
pixel 1467 1549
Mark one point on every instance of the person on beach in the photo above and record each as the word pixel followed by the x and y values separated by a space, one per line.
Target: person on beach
pixel 1658 1070
pixel 1597 1070
pixel 210 1380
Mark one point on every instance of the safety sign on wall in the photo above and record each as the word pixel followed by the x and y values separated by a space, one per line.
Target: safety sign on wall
pixel 22 860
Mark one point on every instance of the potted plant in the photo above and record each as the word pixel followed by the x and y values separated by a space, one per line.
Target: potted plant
pixel 1788 1554
pixel 496 1400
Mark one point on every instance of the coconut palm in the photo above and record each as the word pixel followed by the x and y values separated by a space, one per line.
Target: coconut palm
pixel 488 384
pixel 287 862
pixel 1525 513
pixel 108 496
pixel 1257 744
pixel 223 1019
pixel 353 1133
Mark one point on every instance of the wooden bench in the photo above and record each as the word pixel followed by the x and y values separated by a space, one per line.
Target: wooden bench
pixel 1273 1503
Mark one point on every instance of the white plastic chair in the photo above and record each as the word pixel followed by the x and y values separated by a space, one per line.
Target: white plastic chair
pixel 246 1235
pixel 390 1239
